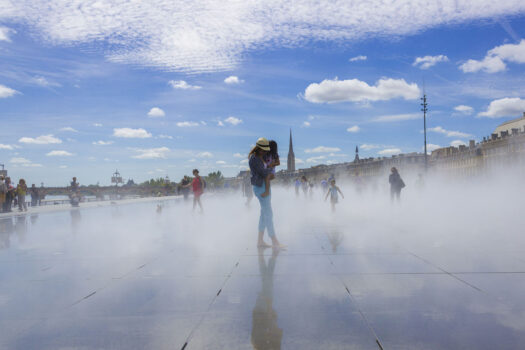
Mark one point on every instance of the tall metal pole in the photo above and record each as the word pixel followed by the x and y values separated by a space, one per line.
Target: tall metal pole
pixel 424 109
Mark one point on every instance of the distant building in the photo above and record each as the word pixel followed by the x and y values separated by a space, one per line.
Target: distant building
pixel 291 156
pixel 517 124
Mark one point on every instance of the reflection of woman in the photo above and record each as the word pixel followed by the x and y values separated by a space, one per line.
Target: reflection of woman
pixel 259 173
pixel 266 334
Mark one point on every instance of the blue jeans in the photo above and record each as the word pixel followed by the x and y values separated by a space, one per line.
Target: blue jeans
pixel 266 218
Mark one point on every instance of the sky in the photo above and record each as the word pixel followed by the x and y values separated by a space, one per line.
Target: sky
pixel 161 87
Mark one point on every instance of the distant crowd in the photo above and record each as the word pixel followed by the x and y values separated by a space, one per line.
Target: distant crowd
pixel 11 196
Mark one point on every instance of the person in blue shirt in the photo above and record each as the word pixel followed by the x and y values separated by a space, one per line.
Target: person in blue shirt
pixel 259 173
pixel 333 193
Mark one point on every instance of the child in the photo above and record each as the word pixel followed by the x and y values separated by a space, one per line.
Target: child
pixel 271 160
pixel 332 191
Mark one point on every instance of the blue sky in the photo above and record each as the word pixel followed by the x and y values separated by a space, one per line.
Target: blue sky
pixel 161 88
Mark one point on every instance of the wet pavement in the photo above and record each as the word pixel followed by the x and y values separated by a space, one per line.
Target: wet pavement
pixel 127 277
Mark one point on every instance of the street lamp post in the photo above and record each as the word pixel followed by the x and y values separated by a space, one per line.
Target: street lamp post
pixel 425 110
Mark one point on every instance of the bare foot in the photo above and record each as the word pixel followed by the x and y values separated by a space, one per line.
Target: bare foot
pixel 265 194
pixel 263 245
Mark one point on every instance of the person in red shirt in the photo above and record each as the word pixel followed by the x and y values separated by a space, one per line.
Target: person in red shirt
pixel 198 188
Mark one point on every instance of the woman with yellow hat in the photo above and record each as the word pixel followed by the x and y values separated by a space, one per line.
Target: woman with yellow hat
pixel 259 172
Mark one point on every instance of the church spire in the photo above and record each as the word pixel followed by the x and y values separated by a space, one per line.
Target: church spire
pixel 356 159
pixel 291 155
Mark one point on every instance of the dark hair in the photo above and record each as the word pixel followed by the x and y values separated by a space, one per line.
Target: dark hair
pixel 254 150
pixel 273 148
pixel 195 171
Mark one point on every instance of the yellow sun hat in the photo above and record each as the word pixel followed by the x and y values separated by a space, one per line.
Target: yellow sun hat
pixel 263 144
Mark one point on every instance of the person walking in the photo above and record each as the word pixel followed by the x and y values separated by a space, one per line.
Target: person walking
pixel 21 191
pixel 3 191
pixel 10 194
pixel 333 193
pixel 259 172
pixel 396 184
pixel 34 195
pixel 198 189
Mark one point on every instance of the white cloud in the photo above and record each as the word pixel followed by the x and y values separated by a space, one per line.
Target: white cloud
pixel 68 128
pixel 397 117
pixel 354 90
pixel 8 147
pixel 322 149
pixel 389 151
pixel 40 140
pixel 353 129
pixel 457 143
pixel 42 81
pixel 156 112
pixel 161 136
pixel 102 143
pixel 5 33
pixel 97 125
pixel 495 59
pixel 181 84
pixel 220 123
pixel 233 121
pixel 187 35
pixel 358 58
pixel 504 107
pixel 449 133
pixel 24 162
pixel 244 161
pixel 464 109
pixel 238 155
pixel 315 159
pixel 187 124
pixel 306 124
pixel 429 61
pixel 510 52
pixel 367 146
pixel 131 133
pixel 59 154
pixel 490 64
pixel 204 155
pixel 232 79
pixel 7 92
pixel 63 167
pixel 299 161
pixel 151 153
pixel 220 162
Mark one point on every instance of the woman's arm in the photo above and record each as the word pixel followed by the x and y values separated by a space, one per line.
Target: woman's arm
pixel 257 167
pixel 338 190
pixel 276 162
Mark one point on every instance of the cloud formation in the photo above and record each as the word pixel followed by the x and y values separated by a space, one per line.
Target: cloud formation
pixel 187 36
pixel 353 129
pixel 7 147
pixel 102 143
pixel 59 154
pixel 429 61
pixel 131 133
pixel 156 112
pixel 389 151
pixel 40 140
pixel 187 124
pixel 354 90
pixel 322 149
pixel 5 33
pixel 449 133
pixel 204 155
pixel 504 107
pixel 233 120
pixel 183 85
pixel 495 59
pixel 151 153
pixel 464 109
pixel 232 79
pixel 457 143
pixel 6 92
pixel 358 58
pixel 19 161
pixel 68 128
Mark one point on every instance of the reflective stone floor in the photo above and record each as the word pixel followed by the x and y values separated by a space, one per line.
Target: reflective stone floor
pixel 129 278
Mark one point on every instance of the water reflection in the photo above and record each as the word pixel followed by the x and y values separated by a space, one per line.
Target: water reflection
pixel 21 227
pixel 266 334
pixel 336 238
pixel 6 228
pixel 76 218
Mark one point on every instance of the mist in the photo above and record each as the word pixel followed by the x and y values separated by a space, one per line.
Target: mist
pixel 134 276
